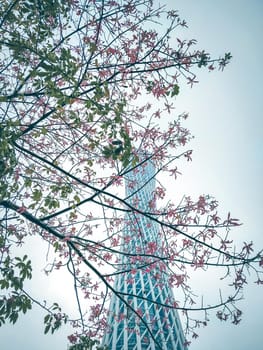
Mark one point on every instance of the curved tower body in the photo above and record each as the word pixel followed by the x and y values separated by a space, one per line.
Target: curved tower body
pixel 141 282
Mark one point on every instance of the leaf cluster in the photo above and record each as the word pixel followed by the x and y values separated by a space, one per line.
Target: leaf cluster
pixel 8 160
pixel 11 307
pixel 13 275
pixel 86 343
pixel 54 319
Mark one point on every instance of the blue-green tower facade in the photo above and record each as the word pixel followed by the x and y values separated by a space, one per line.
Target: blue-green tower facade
pixel 141 282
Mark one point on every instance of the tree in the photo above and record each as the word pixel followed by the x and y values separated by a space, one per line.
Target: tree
pixel 84 87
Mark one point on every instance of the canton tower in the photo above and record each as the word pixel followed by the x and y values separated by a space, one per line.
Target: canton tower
pixel 138 318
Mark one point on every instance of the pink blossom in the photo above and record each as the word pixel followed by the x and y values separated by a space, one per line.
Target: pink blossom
pixel 151 248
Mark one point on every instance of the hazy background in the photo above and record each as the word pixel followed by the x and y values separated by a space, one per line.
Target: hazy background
pixel 226 118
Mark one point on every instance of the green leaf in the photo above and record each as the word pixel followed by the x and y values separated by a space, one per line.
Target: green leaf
pixel 175 90
pixel 93 47
pixel 76 198
pixel 37 195
pixel 107 152
pixel 47 328
pixel 4 284
pixel 47 318
pixel 56 245
pixel 13 317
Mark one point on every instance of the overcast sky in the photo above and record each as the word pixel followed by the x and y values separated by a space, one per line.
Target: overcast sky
pixel 226 119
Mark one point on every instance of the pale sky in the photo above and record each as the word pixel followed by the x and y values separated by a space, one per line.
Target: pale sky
pixel 226 119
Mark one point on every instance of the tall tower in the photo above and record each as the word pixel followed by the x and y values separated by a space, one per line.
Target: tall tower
pixel 141 283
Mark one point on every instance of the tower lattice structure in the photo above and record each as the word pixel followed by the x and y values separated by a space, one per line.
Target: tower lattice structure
pixel 138 317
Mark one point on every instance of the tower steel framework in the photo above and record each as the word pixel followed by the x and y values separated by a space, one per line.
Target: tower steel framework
pixel 141 284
